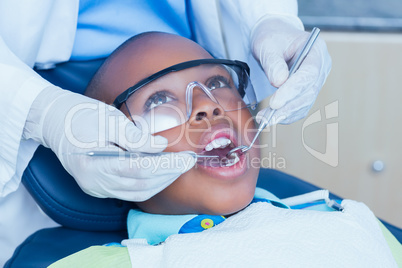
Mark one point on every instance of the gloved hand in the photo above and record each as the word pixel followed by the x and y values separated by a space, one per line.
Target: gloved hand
pixel 276 42
pixel 70 124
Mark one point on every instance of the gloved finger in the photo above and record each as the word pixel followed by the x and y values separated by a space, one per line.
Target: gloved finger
pixel 139 141
pixel 263 115
pixel 289 118
pixel 277 117
pixel 275 67
pixel 300 83
pixel 151 170
pixel 134 194
pixel 152 175
pixel 313 70
pixel 151 167
pixel 133 139
pixel 110 180
pixel 294 110
pixel 143 190
pixel 108 176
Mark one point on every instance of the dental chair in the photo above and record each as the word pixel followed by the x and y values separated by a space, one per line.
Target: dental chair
pixel 85 220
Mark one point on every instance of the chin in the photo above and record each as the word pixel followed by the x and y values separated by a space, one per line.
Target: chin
pixel 228 207
pixel 232 211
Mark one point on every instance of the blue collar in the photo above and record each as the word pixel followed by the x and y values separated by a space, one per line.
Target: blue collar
pixel 156 228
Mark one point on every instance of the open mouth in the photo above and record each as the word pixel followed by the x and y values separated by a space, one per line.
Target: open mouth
pixel 219 147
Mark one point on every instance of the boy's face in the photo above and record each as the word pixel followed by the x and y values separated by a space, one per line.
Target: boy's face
pixel 206 188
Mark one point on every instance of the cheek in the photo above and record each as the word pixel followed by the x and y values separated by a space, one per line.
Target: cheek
pixel 176 139
pixel 182 138
pixel 244 124
pixel 183 195
pixel 248 125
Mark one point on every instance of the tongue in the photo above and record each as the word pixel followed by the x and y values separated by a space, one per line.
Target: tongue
pixel 213 161
pixel 220 152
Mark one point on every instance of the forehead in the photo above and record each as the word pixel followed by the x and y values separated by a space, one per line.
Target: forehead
pixel 150 55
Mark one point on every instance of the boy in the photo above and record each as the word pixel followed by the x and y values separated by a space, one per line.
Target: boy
pixel 203 189
pixel 196 102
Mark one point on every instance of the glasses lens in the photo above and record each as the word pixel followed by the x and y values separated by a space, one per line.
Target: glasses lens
pixel 162 103
pixel 236 93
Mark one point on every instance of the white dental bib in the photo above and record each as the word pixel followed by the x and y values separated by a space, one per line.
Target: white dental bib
pixel 263 235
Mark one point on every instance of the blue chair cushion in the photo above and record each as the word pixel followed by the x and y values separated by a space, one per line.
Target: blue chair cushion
pixel 60 197
pixel 72 75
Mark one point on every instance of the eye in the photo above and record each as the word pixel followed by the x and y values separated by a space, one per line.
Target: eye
pixel 217 82
pixel 159 98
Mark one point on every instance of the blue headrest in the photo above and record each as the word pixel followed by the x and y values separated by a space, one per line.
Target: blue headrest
pixel 60 197
pixel 72 75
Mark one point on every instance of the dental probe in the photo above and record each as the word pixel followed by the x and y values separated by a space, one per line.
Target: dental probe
pixel 267 117
pixel 135 154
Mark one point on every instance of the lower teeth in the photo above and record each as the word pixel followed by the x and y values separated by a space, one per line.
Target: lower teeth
pixel 228 162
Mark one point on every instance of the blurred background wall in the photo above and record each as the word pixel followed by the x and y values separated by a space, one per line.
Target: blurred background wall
pixel 350 143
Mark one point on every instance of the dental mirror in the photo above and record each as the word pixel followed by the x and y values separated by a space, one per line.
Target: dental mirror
pixel 135 154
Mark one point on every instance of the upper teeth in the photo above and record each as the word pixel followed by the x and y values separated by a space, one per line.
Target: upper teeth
pixel 218 143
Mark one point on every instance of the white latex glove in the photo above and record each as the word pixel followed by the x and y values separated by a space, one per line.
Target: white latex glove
pixel 70 123
pixel 276 42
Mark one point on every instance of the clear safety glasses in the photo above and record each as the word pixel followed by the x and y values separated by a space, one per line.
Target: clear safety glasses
pixel 166 99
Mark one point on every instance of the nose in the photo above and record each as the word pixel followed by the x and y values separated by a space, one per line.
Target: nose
pixel 204 107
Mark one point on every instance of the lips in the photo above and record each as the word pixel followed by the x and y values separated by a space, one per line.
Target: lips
pixel 218 141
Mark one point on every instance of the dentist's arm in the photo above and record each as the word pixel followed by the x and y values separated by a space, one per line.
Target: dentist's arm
pixel 29 34
pixel 71 124
pixel 33 109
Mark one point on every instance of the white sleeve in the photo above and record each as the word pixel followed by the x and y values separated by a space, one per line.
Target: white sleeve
pixel 19 86
pixel 39 32
pixel 36 33
pixel 252 11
